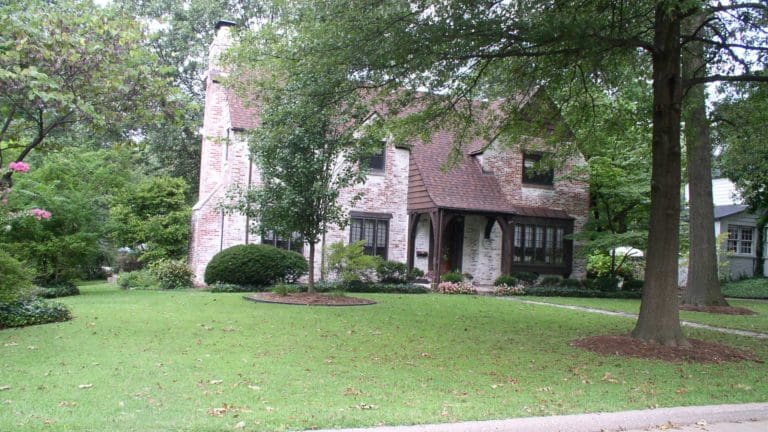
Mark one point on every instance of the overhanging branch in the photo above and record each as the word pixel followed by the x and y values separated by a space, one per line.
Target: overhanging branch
pixel 724 78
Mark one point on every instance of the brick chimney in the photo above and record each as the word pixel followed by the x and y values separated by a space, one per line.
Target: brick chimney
pixel 221 41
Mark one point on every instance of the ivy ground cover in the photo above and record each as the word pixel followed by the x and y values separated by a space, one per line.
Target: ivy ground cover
pixel 197 361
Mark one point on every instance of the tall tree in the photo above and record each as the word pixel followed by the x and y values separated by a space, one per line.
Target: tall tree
pixel 309 145
pixel 703 285
pixel 66 65
pixel 480 49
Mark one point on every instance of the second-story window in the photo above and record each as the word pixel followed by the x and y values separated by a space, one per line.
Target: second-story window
pixel 534 173
pixel 376 161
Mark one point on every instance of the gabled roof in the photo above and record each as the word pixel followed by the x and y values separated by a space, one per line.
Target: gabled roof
pixel 464 186
pixel 729 210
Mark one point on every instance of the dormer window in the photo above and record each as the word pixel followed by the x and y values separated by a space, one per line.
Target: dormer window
pixel 534 173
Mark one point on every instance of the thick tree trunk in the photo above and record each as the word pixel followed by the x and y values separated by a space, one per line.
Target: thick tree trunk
pixel 311 277
pixel 659 319
pixel 703 283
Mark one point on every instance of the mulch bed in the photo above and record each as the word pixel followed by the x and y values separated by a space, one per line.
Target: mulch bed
pixel 699 351
pixel 727 310
pixel 307 299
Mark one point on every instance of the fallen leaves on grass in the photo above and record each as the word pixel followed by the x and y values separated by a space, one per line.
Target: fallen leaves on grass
pixel 85 386
pixel 5 387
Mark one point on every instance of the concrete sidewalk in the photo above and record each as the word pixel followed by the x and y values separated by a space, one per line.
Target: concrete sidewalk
pixel 712 418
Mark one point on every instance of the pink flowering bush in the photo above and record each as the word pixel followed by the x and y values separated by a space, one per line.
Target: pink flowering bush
pixel 509 290
pixel 19 167
pixel 456 288
pixel 40 214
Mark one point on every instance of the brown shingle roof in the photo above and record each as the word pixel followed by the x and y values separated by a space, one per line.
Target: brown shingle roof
pixel 463 186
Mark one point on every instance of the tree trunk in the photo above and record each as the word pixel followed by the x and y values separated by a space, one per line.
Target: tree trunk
pixel 703 283
pixel 311 277
pixel 659 319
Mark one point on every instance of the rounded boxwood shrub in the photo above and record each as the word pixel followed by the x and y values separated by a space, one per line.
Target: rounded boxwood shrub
pixel 550 281
pixel 255 265
pixel 527 277
pixel 139 279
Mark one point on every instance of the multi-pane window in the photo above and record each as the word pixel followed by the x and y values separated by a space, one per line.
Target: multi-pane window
pixel 374 230
pixel 533 173
pixel 376 161
pixel 740 239
pixel 538 244
pixel 293 243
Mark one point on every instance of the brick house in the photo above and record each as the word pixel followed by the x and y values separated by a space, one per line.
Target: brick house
pixel 489 214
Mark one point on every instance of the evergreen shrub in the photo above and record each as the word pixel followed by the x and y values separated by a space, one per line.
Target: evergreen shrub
pixel 255 265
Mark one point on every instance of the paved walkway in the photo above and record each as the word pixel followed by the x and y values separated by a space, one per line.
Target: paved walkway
pixel 631 315
pixel 712 418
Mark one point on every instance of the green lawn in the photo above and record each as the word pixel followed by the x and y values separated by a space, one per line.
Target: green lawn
pixel 196 361
pixel 758 322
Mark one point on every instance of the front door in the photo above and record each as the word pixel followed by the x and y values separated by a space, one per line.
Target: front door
pixel 453 246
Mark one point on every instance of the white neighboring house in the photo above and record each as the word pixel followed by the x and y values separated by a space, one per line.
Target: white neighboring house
pixel 739 227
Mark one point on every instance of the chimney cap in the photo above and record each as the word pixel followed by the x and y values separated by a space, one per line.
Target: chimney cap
pixel 225 23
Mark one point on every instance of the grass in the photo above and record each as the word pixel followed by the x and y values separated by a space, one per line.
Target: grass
pixel 747 288
pixel 758 322
pixel 196 361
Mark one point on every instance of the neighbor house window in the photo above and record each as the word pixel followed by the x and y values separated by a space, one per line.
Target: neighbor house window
pixel 740 239
pixel 538 244
pixel 293 243
pixel 374 230
pixel 535 174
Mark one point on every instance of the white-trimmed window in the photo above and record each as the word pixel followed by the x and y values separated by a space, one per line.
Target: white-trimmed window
pixel 741 239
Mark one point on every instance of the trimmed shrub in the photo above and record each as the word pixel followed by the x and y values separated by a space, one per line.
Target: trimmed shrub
pixel 587 293
pixel 255 265
pixel 507 280
pixel 571 283
pixel 633 285
pixel 31 311
pixel 139 279
pixel 15 279
pixel 55 290
pixel 415 273
pixel 607 284
pixel 392 272
pixel 171 274
pixel 550 281
pixel 220 287
pixel 453 277
pixel 527 277
pixel 358 287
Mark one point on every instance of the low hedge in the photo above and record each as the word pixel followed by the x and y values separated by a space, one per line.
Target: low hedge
pixel 59 289
pixel 557 291
pixel 370 287
pixel 220 287
pixel 32 311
